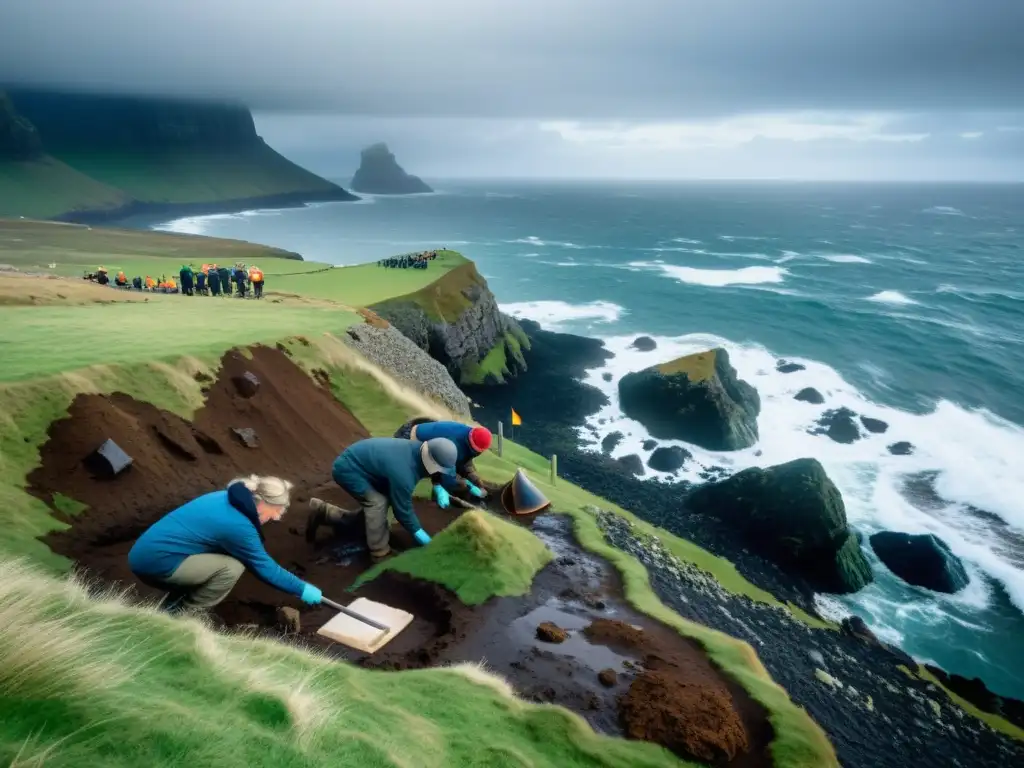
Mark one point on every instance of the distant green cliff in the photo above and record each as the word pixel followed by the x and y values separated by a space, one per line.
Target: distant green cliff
pixel 90 157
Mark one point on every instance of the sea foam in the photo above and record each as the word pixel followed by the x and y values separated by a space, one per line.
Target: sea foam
pixel 716 278
pixel 557 314
pixel 979 468
pixel 891 297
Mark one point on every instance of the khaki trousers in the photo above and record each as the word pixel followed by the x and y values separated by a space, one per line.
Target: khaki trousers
pixel 374 510
pixel 200 582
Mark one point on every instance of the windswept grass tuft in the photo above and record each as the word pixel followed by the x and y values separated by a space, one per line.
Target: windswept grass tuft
pixel 93 680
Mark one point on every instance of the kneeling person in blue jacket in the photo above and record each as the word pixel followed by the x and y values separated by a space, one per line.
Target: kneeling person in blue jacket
pixel 380 472
pixel 198 551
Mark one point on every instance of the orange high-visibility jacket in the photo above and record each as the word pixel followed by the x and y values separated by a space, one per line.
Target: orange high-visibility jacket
pixel 256 275
pixel 150 282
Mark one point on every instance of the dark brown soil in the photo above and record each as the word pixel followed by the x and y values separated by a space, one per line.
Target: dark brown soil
pixel 679 700
pixel 301 429
pixel 661 688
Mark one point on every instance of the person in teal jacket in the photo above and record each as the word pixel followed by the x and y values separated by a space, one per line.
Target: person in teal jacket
pixel 379 472
pixel 197 552
pixel 470 442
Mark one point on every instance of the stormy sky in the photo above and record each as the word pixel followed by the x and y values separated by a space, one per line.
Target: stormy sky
pixel 886 89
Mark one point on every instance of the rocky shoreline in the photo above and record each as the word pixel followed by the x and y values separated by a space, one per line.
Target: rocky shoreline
pixel 554 405
pixel 875 713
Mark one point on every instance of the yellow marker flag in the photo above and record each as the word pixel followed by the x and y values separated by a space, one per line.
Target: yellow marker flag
pixel 516 418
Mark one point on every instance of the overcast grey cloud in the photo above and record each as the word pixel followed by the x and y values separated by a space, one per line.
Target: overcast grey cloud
pixel 606 87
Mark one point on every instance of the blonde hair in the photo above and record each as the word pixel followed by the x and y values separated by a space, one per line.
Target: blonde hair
pixel 272 490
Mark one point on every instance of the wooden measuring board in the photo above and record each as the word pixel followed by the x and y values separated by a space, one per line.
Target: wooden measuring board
pixel 355 634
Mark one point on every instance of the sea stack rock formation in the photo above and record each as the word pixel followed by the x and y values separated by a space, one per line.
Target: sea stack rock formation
pixel 697 398
pixel 924 560
pixel 794 514
pixel 380 174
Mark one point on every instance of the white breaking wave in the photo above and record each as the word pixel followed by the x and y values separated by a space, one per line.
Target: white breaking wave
pixel 845 258
pixel 980 467
pixel 559 314
pixel 537 242
pixel 891 297
pixel 944 210
pixel 716 278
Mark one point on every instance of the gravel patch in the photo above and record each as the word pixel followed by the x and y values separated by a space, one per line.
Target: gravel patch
pixel 393 352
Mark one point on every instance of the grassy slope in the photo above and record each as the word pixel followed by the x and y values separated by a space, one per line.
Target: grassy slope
pixel 478 557
pixel 48 187
pixel 33 245
pixel 197 177
pixel 87 682
pixel 368 284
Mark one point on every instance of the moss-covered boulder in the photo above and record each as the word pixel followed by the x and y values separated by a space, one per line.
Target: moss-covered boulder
pixel 924 560
pixel 697 398
pixel 794 514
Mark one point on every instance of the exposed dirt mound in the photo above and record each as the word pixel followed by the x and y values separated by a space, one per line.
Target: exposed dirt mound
pixel 301 428
pixel 679 700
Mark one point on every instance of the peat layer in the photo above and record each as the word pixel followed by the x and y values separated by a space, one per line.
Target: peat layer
pixel 626 674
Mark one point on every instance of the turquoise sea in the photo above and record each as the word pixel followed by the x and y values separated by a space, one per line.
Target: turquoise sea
pixel 904 302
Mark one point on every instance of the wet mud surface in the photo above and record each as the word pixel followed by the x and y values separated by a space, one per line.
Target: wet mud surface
pixel 624 673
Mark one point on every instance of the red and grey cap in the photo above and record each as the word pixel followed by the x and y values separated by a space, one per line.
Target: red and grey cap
pixel 480 439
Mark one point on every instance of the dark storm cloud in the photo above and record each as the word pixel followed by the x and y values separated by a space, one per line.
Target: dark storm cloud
pixel 542 59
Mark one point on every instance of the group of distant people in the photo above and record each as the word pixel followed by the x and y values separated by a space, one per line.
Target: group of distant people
pixel 208 280
pixel 408 261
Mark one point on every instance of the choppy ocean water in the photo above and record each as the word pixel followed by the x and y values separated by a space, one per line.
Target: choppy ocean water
pixel 904 302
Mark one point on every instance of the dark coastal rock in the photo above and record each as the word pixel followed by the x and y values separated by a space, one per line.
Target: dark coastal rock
pixel 923 560
pixel 380 174
pixel 976 692
pixel 633 464
pixel 839 425
pixel 854 626
pixel 809 395
pixel 794 514
pixel 606 376
pixel 457 322
pixel 784 366
pixel 649 445
pixel 610 441
pixel 668 459
pixel 875 426
pixel 902 448
pixel 644 344
pixel 697 398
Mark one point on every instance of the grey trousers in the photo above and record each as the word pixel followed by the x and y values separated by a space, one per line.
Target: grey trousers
pixel 374 510
pixel 200 582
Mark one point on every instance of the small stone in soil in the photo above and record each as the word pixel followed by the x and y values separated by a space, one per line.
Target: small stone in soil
pixel 607 678
pixel 551 633
pixel 288 620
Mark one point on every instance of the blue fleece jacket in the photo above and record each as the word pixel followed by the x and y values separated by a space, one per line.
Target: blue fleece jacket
pixel 388 465
pixel 208 525
pixel 458 434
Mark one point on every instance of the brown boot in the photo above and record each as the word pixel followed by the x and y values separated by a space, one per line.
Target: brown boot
pixel 317 517
pixel 380 557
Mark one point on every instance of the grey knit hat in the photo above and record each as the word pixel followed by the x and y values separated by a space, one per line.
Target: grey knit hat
pixel 439 455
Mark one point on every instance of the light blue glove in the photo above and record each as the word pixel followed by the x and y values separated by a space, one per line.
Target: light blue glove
pixel 474 490
pixel 422 536
pixel 311 595
pixel 443 499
